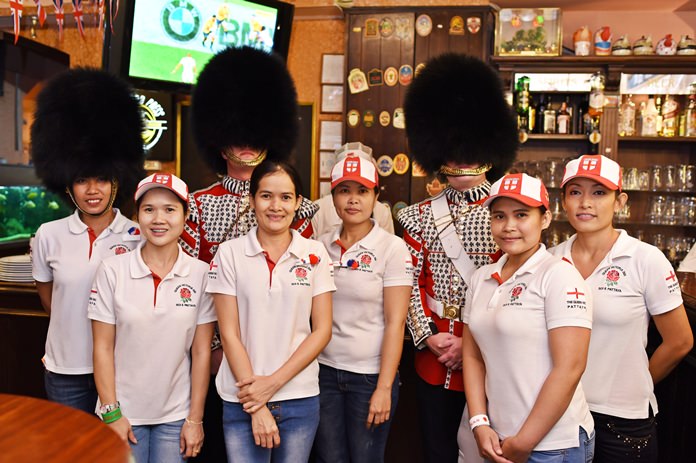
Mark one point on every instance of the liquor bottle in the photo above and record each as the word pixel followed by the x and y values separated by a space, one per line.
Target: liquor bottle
pixel 658 120
pixel 572 112
pixel 583 121
pixel 670 117
pixel 639 118
pixel 523 103
pixel 596 94
pixel 563 119
pixel 532 115
pixel 690 114
pixel 627 118
pixel 541 108
pixel 549 118
pixel 649 119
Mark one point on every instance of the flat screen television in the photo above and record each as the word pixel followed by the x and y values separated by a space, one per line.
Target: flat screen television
pixel 164 44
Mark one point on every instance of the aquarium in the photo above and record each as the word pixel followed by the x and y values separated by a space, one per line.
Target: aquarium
pixel 24 208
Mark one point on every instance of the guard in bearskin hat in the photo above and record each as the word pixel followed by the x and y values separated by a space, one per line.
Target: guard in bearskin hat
pixel 244 110
pixel 458 125
pixel 86 143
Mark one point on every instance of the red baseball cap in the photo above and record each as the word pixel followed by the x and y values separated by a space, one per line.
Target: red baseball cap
pixel 520 187
pixel 354 168
pixel 159 180
pixel 599 168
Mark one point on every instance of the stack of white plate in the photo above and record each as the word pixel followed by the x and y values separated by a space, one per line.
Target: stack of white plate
pixel 16 269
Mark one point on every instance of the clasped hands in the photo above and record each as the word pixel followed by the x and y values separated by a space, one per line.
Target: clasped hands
pixel 254 393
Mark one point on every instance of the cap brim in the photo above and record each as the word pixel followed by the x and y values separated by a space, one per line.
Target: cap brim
pixel 596 178
pixel 145 188
pixel 521 199
pixel 362 181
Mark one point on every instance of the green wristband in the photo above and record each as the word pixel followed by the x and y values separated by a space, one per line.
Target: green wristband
pixel 113 415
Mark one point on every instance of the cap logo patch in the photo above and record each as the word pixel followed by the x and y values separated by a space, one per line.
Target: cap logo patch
pixel 589 164
pixel 351 166
pixel 162 178
pixel 511 184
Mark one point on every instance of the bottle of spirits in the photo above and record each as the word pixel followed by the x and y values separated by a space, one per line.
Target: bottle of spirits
pixel 658 120
pixel 639 118
pixel 539 113
pixel 532 115
pixel 596 94
pixel 583 122
pixel 549 118
pixel 627 118
pixel 563 119
pixel 523 103
pixel 670 117
pixel 649 118
pixel 690 114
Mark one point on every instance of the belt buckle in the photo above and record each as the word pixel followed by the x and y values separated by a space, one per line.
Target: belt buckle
pixel 451 312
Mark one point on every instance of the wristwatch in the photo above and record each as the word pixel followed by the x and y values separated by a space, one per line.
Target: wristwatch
pixel 106 408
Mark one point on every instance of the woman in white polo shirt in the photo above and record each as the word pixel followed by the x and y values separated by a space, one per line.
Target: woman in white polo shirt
pixel 631 282
pixel 526 334
pixel 272 291
pixel 373 271
pixel 152 325
pixel 92 154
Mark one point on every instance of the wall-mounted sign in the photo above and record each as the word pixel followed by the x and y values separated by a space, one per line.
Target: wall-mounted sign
pixel 156 110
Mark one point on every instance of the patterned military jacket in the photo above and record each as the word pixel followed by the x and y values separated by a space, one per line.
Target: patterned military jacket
pixel 436 276
pixel 221 212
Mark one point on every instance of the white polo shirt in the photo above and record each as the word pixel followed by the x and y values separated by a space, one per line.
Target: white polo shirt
pixel 155 325
pixel 65 254
pixel 510 322
pixel 361 273
pixel 326 220
pixel 274 307
pixel 633 282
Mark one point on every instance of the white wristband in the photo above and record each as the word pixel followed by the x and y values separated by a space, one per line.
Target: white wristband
pixel 479 420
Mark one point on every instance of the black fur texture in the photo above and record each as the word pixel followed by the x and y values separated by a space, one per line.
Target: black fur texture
pixel 244 97
pixel 455 110
pixel 88 124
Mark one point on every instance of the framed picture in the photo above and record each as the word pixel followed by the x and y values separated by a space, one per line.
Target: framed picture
pixel 330 135
pixel 528 32
pixel 327 159
pixel 324 188
pixel 332 98
pixel 332 69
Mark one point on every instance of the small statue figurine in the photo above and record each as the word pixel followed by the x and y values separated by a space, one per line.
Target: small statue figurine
pixel 667 46
pixel 643 46
pixel 581 41
pixel 621 47
pixel 602 41
pixel 686 46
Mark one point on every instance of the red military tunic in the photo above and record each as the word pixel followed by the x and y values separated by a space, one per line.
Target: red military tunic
pixel 435 274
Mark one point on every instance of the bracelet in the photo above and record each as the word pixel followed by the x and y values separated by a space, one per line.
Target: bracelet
pixel 113 415
pixel 193 422
pixel 479 420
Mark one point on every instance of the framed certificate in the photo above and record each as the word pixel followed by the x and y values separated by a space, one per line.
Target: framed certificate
pixel 332 98
pixel 330 135
pixel 332 69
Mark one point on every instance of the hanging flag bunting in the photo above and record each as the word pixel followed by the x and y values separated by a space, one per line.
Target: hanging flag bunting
pixel 40 12
pixel 102 5
pixel 16 7
pixel 77 13
pixel 60 16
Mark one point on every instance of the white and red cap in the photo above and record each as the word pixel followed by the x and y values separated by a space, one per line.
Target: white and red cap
pixel 599 168
pixel 159 180
pixel 354 168
pixel 520 187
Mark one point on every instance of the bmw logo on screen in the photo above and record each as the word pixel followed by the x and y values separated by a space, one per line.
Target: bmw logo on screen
pixel 181 20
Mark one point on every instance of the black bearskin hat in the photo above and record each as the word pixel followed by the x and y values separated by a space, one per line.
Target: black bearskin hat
pixel 88 124
pixel 455 111
pixel 244 97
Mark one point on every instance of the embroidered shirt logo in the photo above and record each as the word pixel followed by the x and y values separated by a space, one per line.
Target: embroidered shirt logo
pixel 672 283
pixel 301 271
pixel 185 292
pixel 120 249
pixel 576 298
pixel 612 277
pixel 516 292
pixel 301 274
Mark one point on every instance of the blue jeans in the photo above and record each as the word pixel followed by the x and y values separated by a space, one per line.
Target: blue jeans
pixel 582 454
pixel 157 443
pixel 297 422
pixel 625 440
pixel 345 402
pixel 77 391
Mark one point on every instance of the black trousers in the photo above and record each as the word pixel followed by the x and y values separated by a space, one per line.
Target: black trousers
pixel 621 440
pixel 440 411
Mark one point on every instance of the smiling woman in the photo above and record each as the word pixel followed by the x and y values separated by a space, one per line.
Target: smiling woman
pixel 176 332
